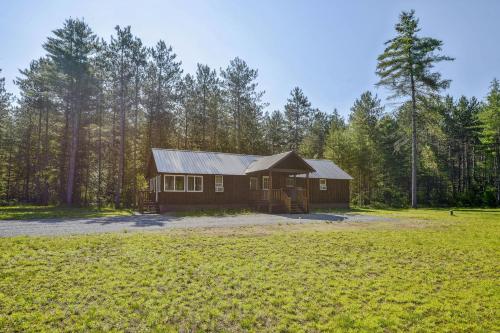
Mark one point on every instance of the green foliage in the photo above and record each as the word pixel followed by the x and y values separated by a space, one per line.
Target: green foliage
pixel 297 116
pixel 90 110
pixel 313 143
pixel 490 136
pixel 423 271
pixel 491 115
pixel 405 67
pixel 406 64
pixel 244 104
pixel 275 132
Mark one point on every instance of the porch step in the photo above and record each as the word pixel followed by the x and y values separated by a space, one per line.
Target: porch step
pixel 150 207
pixel 279 207
pixel 295 208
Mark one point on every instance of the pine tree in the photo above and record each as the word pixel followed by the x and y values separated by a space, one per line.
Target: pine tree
pixel 337 142
pixel 405 67
pixel 5 140
pixel 243 102
pixel 121 61
pixel 36 110
pixel 313 143
pixel 490 116
pixel 71 49
pixel 297 116
pixel 275 132
pixel 186 123
pixel 362 132
pixel 139 61
pixel 161 96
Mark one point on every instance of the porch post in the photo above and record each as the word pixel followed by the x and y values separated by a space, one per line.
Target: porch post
pixel 158 184
pixel 270 192
pixel 307 192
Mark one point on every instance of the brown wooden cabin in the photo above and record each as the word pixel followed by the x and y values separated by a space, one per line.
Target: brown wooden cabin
pixel 281 183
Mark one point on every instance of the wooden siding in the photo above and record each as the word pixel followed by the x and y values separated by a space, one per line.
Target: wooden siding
pixel 337 191
pixel 237 188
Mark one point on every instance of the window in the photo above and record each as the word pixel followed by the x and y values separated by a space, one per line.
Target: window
pixel 179 183
pixel 253 183
pixel 174 183
pixel 195 183
pixel 322 184
pixel 265 182
pixel 290 181
pixel 219 183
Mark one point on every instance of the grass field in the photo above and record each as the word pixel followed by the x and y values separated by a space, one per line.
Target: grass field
pixel 425 272
pixel 30 212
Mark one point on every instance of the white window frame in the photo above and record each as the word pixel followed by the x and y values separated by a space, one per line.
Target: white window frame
pixel 219 186
pixel 292 178
pixel 186 185
pixel 175 183
pixel 322 187
pixel 256 183
pixel 265 177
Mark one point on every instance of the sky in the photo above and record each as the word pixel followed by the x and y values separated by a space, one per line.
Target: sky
pixel 327 48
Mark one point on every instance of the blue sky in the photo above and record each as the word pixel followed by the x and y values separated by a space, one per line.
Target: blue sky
pixel 328 48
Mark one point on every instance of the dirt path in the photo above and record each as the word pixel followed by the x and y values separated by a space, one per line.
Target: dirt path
pixel 47 227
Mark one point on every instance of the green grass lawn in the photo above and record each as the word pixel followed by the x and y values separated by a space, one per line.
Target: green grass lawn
pixel 29 212
pixel 425 272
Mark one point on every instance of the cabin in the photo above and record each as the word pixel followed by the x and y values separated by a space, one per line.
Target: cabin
pixel 282 183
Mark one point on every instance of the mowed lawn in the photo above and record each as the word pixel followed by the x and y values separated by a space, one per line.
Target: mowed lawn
pixel 31 212
pixel 425 272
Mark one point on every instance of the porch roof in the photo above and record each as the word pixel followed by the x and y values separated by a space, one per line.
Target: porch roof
pixel 270 162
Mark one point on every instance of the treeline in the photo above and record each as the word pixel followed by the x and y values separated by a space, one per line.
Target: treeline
pixel 89 111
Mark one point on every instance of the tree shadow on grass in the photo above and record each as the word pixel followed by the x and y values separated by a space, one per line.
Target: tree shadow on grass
pixel 141 221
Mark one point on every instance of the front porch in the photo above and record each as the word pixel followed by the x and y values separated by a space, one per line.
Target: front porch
pixel 274 185
pixel 282 200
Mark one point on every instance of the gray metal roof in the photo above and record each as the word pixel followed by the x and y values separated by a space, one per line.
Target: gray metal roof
pixel 326 169
pixel 212 163
pixel 197 162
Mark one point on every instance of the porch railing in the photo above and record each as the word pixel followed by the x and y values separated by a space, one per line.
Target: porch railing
pixel 145 197
pixel 285 195
pixel 266 195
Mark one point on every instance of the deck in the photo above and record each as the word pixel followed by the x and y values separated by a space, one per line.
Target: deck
pixel 282 200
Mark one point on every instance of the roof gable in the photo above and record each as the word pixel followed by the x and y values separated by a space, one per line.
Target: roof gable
pixel 288 160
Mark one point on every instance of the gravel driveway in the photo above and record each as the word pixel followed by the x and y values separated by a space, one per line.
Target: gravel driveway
pixel 44 227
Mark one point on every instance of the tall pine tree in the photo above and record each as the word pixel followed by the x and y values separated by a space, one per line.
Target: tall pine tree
pixel 405 67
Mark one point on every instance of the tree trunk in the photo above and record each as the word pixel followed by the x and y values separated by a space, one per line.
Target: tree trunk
pixel 413 145
pixel 72 158
pixel 45 197
pixel 28 161
pixel 9 172
pixel 63 157
pixel 99 152
pixel 121 161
